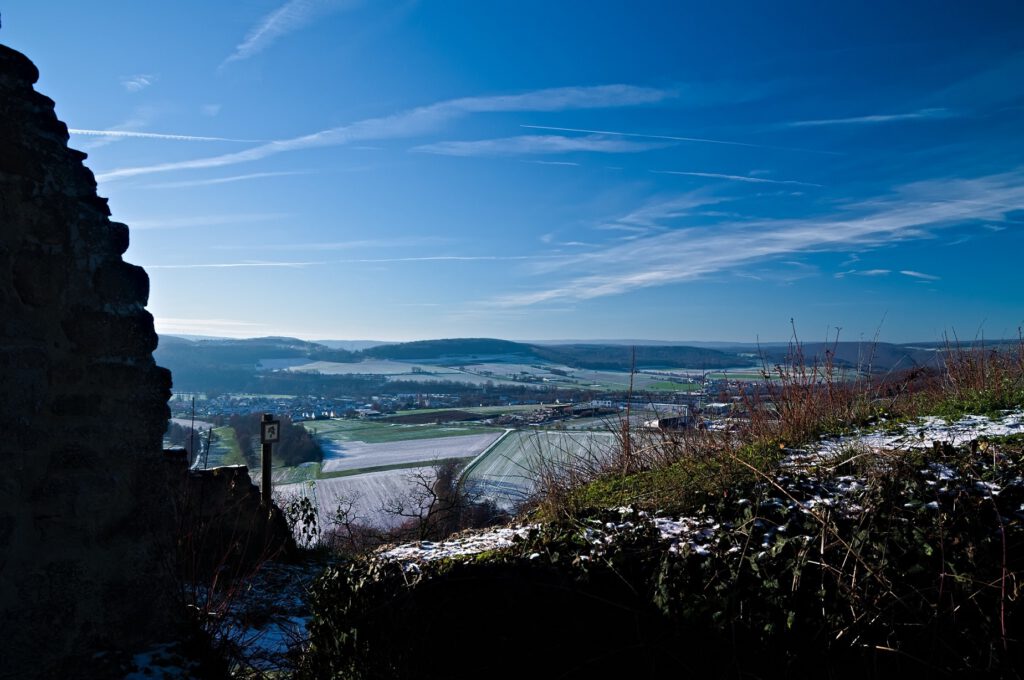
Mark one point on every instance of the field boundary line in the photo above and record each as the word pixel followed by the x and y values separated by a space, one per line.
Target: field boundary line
pixel 476 461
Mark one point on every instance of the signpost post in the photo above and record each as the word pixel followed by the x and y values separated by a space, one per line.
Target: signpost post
pixel 270 433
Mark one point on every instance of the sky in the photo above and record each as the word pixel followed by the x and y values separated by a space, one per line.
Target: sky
pixel 400 170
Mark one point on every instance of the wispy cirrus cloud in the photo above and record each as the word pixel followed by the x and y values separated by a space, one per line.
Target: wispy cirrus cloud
pixel 536 144
pixel 298 264
pixel 138 82
pixel 736 178
pixel 873 119
pixel 919 275
pixel 422 120
pixel 538 162
pixel 233 265
pixel 674 138
pixel 223 328
pixel 661 215
pixel 862 272
pixel 671 253
pixel 223 180
pixel 201 220
pixel 124 134
pixel 289 17
pixel 354 244
pixel 442 258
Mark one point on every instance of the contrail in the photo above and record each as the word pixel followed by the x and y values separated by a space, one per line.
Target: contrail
pixel 699 140
pixel 155 135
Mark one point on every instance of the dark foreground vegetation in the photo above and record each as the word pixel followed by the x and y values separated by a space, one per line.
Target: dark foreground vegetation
pixel 912 568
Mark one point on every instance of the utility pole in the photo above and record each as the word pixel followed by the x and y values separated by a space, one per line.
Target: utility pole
pixel 270 433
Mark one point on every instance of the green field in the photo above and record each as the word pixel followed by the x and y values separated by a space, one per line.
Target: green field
pixel 737 375
pixel 669 386
pixel 223 451
pixel 297 473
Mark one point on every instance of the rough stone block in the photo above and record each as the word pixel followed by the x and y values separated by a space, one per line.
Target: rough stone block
pixel 39 278
pixel 122 283
pixel 100 333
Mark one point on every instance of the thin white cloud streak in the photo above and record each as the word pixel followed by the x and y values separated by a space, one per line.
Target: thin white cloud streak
pixel 443 258
pixel 286 19
pixel 232 265
pixel 223 180
pixel 667 256
pixel 421 120
pixel 865 272
pixel 154 135
pixel 553 162
pixel 216 327
pixel 138 82
pixel 201 220
pixel 697 140
pixel 922 114
pixel 919 275
pixel 367 260
pixel 141 116
pixel 354 244
pixel 656 216
pixel 736 178
pixel 535 144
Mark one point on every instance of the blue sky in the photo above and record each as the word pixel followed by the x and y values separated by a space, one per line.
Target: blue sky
pixel 398 170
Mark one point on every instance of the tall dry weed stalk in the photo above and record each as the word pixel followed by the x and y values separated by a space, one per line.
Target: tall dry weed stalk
pixel 980 379
pixel 797 400
pixel 803 397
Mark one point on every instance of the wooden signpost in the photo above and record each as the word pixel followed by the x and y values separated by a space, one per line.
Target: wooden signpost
pixel 270 434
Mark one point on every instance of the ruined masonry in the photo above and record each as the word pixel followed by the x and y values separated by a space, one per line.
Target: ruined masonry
pixel 83 407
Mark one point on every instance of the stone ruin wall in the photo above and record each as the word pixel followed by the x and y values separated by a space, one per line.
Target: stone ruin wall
pixel 83 406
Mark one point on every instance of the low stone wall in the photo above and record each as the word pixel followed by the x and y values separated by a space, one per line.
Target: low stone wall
pixel 223 529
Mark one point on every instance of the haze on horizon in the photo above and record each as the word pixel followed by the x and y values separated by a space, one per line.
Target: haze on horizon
pixel 404 170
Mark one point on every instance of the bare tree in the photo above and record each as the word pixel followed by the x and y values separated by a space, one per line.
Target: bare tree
pixel 437 504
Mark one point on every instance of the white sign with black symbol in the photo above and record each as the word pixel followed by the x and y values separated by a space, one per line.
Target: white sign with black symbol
pixel 270 432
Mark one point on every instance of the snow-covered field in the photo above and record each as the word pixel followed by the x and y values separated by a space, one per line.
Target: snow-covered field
pixel 370 366
pixel 507 474
pixel 367 494
pixel 392 370
pixel 502 369
pixel 339 456
pixel 188 422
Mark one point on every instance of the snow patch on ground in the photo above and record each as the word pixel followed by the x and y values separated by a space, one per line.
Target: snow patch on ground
pixel 494 539
pixel 261 621
pixel 698 534
pixel 161 662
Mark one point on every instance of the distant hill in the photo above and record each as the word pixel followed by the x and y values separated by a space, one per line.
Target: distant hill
pixel 243 353
pixel 620 357
pixel 230 364
pixel 876 356
pixel 460 348
pixel 205 365
pixel 352 345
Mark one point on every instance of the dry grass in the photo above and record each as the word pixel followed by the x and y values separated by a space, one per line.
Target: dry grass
pixel 798 401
